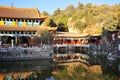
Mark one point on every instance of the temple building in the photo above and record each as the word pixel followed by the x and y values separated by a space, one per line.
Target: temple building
pixel 20 24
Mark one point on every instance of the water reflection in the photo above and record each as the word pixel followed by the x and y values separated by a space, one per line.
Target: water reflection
pixel 26 69
pixel 25 65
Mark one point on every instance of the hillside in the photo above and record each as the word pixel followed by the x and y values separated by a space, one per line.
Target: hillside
pixel 87 18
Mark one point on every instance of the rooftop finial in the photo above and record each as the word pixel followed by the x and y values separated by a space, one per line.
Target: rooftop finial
pixel 12 4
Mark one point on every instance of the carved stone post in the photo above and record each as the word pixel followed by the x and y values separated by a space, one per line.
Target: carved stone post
pixel 12 43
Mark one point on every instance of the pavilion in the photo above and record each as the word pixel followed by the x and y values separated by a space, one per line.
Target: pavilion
pixel 20 24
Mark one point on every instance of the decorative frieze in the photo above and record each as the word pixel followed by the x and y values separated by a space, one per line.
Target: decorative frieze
pixel 19 22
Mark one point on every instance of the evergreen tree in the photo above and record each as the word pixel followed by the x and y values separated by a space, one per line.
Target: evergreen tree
pixel 111 24
pixel 57 12
pixel 80 6
pixel 87 18
pixel 45 13
pixel 52 23
pixel 61 27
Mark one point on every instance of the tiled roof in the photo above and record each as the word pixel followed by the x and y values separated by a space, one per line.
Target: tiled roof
pixel 70 34
pixel 13 12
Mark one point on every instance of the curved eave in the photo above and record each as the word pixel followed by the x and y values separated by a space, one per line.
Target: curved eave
pixel 23 28
pixel 96 35
pixel 43 18
pixel 68 34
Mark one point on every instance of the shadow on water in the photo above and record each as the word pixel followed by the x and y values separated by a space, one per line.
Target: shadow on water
pixel 25 65
pixel 40 68
pixel 109 67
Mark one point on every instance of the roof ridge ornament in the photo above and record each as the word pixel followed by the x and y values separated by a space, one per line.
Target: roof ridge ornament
pixel 12 5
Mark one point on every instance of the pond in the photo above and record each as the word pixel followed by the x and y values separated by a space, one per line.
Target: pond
pixel 32 69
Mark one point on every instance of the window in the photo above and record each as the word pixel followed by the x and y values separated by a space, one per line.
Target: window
pixel 1 19
pixel 14 22
pixel 1 23
pixel 29 23
pixel 24 23
pixel 27 20
pixel 8 22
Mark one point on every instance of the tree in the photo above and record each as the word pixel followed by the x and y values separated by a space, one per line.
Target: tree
pixel 70 9
pixel 111 24
pixel 61 27
pixel 52 23
pixel 45 13
pixel 57 12
pixel 45 37
pixel 80 6
pixel 62 19
pixel 80 26
pixel 87 17
pixel 49 22
pixel 88 5
pixel 4 39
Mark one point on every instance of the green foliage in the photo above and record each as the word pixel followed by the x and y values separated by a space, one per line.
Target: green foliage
pixel 45 37
pixel 45 13
pixel 4 39
pixel 57 12
pixel 69 9
pixel 79 73
pixel 109 77
pixel 111 24
pixel 70 73
pixel 49 22
pixel 62 19
pixel 52 23
pixel 80 69
pixel 61 27
pixel 78 25
pixel 87 16
pixel 77 15
pixel 39 75
pixel 88 5
pixel 80 6
pixel 99 31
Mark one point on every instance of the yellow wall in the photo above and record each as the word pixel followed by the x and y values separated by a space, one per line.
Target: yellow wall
pixel 24 23
pixel 1 23
pixel 14 23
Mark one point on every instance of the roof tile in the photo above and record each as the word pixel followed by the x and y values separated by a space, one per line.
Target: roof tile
pixel 13 12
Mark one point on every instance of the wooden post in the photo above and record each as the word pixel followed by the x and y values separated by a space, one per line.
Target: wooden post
pixel 12 43
pixel 16 39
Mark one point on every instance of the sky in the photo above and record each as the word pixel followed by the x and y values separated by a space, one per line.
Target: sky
pixel 51 5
